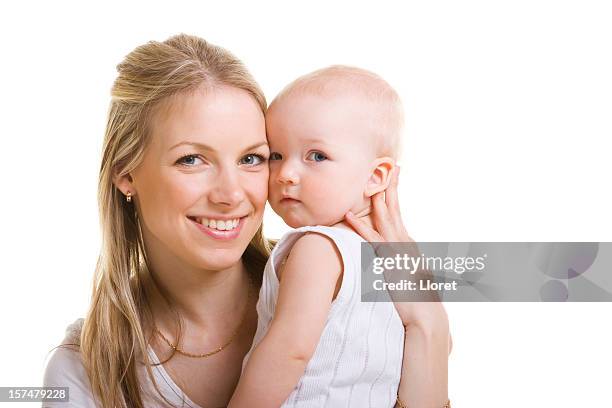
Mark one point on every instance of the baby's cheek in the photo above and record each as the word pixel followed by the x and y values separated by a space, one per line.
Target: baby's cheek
pixel 325 191
pixel 332 201
pixel 272 191
pixel 338 190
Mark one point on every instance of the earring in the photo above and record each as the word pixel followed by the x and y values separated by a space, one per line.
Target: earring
pixel 128 197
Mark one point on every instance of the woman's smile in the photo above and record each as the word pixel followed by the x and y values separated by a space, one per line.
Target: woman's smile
pixel 221 228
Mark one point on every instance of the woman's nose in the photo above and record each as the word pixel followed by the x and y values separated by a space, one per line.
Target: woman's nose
pixel 287 174
pixel 227 190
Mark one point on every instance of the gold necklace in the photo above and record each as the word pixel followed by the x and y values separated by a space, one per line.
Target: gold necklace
pixel 218 349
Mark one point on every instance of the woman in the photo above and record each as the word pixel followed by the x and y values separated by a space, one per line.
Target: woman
pixel 182 189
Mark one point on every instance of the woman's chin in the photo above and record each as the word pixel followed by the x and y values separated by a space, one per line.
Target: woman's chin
pixel 219 259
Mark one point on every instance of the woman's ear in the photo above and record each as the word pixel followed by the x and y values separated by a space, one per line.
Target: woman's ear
pixel 125 184
pixel 379 178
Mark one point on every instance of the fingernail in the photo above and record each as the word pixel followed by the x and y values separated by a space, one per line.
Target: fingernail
pixel 349 214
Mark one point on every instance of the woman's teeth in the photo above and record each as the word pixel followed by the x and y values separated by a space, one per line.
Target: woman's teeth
pixel 220 225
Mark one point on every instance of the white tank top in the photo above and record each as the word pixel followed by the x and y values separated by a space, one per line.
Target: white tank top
pixel 358 360
pixel 65 369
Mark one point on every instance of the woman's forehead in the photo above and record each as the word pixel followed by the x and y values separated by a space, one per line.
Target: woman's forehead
pixel 220 117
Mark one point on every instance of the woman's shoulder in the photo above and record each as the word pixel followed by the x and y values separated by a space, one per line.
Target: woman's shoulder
pixel 65 360
pixel 73 332
pixel 65 368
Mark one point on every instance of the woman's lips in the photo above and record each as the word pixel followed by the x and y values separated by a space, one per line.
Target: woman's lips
pixel 218 234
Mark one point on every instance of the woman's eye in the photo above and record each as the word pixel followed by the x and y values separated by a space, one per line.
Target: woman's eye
pixel 316 156
pixel 189 160
pixel 275 156
pixel 252 159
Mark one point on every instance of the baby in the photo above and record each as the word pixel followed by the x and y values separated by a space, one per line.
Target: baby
pixel 333 137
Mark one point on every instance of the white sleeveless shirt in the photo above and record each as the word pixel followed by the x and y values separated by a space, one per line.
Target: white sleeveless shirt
pixel 357 362
pixel 65 369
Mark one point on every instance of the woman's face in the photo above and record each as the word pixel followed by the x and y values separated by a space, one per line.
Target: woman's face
pixel 202 185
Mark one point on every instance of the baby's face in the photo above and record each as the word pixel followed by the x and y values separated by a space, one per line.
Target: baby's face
pixel 322 155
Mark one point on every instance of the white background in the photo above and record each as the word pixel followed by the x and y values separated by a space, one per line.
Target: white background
pixel 508 107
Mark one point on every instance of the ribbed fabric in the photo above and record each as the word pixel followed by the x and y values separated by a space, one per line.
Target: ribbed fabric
pixel 357 362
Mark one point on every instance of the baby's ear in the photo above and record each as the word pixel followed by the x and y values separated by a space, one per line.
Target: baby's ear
pixel 379 178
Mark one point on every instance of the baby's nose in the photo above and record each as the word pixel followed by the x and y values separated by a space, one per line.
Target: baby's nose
pixel 288 175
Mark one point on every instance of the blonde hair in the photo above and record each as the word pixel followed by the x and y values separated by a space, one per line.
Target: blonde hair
pixel 113 334
pixel 384 101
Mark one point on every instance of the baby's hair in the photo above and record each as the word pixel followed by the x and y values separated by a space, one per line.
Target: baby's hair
pixel 341 79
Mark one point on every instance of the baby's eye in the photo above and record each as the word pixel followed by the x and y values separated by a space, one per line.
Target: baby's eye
pixel 189 160
pixel 252 159
pixel 275 156
pixel 316 156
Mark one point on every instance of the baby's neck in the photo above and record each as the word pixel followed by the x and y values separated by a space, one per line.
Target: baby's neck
pixel 365 215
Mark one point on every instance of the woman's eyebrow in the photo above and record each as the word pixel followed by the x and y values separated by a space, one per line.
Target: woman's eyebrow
pixel 255 146
pixel 203 146
pixel 194 144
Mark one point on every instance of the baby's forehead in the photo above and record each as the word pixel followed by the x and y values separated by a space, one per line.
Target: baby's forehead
pixel 335 122
pixel 362 90
pixel 358 95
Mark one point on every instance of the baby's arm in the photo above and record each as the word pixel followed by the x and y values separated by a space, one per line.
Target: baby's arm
pixel 306 291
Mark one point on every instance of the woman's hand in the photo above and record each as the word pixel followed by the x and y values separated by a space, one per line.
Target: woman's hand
pixel 389 228
pixel 424 378
pixel 386 216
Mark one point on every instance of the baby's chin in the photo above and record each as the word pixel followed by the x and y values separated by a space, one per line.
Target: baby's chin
pixel 296 222
pixel 301 216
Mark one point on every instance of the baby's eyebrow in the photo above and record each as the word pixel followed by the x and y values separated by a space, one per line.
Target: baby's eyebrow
pixel 319 141
pixel 314 140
